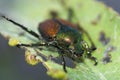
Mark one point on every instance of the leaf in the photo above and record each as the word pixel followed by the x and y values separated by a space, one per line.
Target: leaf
pixel 93 16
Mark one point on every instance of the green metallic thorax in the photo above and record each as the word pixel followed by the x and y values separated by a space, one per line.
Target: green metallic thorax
pixel 68 37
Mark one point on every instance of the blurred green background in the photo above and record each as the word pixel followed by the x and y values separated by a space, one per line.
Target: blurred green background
pixel 12 62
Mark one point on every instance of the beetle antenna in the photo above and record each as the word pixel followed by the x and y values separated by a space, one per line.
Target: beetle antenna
pixel 21 26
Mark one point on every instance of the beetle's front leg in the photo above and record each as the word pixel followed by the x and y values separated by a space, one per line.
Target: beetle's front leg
pixel 93 59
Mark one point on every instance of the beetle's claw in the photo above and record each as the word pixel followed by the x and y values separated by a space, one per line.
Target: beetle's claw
pixel 95 63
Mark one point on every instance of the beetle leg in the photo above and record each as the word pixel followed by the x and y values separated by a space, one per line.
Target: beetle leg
pixel 53 44
pixel 63 59
pixel 63 63
pixel 53 14
pixel 69 10
pixel 21 26
pixel 70 14
pixel 31 45
pixel 93 47
pixel 93 59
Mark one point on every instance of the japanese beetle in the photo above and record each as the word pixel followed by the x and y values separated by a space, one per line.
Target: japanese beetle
pixel 62 35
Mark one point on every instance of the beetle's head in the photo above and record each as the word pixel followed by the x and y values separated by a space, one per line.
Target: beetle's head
pixel 86 48
pixel 81 48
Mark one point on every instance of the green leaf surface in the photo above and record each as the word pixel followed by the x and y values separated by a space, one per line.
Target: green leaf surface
pixel 93 16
